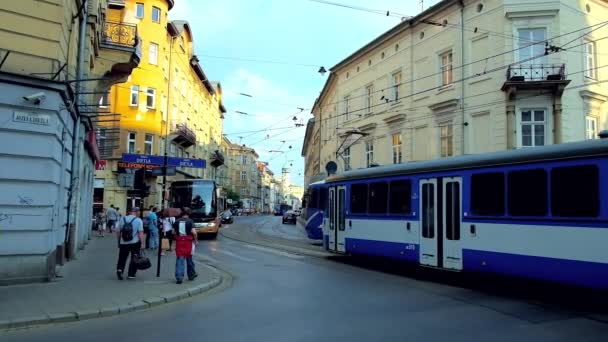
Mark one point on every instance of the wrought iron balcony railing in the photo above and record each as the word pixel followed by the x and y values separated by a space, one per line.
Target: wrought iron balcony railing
pixel 121 34
pixel 536 72
pixel 184 135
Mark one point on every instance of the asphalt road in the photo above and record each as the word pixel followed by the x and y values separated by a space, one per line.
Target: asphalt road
pixel 279 296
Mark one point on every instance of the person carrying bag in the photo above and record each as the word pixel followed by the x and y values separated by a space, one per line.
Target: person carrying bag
pixel 185 238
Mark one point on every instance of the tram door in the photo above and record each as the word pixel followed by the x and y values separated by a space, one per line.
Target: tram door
pixel 429 244
pixel 332 219
pixel 452 220
pixel 337 224
pixel 341 219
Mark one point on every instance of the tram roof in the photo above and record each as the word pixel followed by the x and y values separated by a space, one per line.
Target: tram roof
pixel 589 148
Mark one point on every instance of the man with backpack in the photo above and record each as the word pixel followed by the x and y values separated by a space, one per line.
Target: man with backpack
pixel 185 239
pixel 130 238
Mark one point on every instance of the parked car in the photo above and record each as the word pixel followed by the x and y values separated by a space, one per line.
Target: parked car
pixel 227 217
pixel 289 217
pixel 298 212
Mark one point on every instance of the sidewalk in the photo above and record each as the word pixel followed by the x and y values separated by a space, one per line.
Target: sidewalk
pixel 89 288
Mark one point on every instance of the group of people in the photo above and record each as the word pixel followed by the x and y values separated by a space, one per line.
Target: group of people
pixel 134 235
pixel 106 219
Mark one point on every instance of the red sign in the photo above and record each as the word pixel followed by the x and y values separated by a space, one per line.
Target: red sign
pixel 101 165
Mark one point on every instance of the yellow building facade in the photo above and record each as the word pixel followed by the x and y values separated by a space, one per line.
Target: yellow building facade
pixel 167 106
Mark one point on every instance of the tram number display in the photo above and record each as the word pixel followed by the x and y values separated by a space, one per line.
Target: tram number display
pixel 410 247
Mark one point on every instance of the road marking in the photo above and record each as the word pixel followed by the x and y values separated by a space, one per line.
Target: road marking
pixel 274 251
pixel 208 258
pixel 235 255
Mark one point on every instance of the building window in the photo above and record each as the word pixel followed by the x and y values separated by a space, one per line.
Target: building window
pixel 591 127
pixel 369 153
pixel 243 191
pixel 153 54
pixel 346 108
pixel 134 95
pixel 397 156
pixel 447 140
pixel 151 98
pixel 173 150
pixel 148 143
pixel 103 101
pixel 531 45
pixel 346 158
pixel 396 85
pixel 590 63
pixel 156 14
pixel 369 91
pixel 446 68
pixel 139 10
pixel 101 140
pixel 131 142
pixel 243 176
pixel 244 160
pixel 533 127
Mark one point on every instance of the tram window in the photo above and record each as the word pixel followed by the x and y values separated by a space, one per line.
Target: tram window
pixel 378 197
pixel 314 199
pixel 401 197
pixel 323 199
pixel 527 193
pixel 358 198
pixel 575 191
pixel 428 211
pixel 488 194
pixel 452 210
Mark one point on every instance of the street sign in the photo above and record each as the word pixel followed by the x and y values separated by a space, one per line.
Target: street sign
pixel 171 171
pixel 187 162
pixel 143 159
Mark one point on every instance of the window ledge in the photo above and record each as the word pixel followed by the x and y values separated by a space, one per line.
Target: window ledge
pixel 480 79
pixel 445 88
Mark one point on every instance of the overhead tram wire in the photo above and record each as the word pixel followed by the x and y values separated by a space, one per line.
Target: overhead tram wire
pixel 457 81
pixel 434 74
pixel 469 108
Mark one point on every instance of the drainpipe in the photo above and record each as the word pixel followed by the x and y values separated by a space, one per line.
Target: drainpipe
pixel 72 204
pixel 462 85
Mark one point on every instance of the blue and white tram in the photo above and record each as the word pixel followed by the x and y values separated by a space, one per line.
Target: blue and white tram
pixel 315 208
pixel 539 213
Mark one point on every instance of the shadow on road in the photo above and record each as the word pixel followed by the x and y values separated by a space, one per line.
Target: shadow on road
pixel 551 295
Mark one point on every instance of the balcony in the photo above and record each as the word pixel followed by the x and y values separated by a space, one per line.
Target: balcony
pixel 119 34
pixel 183 135
pixel 120 49
pixel 536 76
pixel 116 3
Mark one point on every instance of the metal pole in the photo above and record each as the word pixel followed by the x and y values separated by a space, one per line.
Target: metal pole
pixel 166 156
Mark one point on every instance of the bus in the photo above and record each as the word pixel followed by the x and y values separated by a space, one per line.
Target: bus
pixel 201 197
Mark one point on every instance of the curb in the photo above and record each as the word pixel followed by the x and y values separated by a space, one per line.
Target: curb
pixel 25 322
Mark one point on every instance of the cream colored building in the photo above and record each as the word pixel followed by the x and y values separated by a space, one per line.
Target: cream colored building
pixel 244 174
pixel 465 77
pixel 56 57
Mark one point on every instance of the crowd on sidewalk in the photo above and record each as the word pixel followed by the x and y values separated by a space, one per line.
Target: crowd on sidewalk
pixel 138 232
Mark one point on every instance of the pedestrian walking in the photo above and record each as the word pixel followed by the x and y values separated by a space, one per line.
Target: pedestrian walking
pixel 153 228
pixel 185 239
pixel 130 237
pixel 112 218
pixel 101 223
pixel 167 224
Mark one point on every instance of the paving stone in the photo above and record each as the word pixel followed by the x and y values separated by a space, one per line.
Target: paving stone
pixel 139 305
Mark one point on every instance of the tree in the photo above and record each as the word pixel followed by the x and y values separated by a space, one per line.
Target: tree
pixel 234 196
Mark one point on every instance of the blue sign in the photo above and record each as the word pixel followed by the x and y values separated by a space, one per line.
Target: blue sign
pixel 143 159
pixel 186 162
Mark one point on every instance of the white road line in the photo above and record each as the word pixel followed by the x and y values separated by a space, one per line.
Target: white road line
pixel 274 251
pixel 209 258
pixel 235 256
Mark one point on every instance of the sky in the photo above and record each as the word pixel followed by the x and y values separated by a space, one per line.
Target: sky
pixel 272 50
